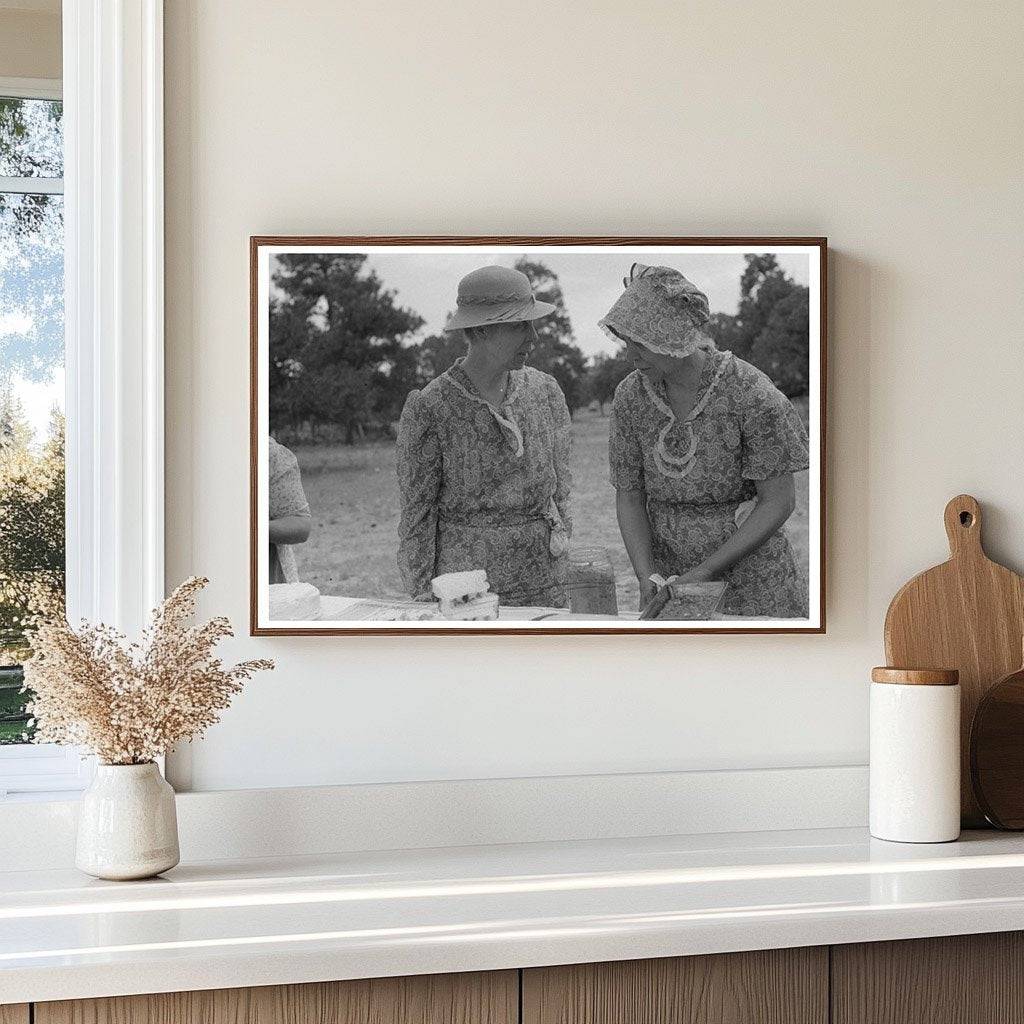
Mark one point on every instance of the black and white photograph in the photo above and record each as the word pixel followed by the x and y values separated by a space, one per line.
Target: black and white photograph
pixel 524 435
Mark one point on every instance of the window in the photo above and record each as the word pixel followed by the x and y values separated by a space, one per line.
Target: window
pixel 32 562
pixel 109 208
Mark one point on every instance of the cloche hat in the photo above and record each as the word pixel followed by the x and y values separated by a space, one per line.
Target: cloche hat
pixel 495 295
pixel 661 310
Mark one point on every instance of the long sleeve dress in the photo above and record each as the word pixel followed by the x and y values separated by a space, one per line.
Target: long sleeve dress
pixel 696 475
pixel 486 488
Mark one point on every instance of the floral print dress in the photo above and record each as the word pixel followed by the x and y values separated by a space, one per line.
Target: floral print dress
pixel 287 498
pixel 485 487
pixel 696 475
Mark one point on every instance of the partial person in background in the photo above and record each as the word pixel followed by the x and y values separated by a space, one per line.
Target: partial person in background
pixel 483 455
pixel 290 520
pixel 703 448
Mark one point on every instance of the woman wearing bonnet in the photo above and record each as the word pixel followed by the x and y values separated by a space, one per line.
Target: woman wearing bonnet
pixel 703 449
pixel 483 455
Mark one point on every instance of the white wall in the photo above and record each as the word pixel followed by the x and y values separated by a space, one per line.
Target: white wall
pixel 895 129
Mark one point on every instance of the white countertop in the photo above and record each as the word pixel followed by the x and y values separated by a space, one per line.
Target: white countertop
pixel 262 922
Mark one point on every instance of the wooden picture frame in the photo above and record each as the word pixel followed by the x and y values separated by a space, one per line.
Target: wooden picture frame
pixel 262 248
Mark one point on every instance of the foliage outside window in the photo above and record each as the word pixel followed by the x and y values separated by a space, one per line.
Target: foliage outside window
pixel 31 386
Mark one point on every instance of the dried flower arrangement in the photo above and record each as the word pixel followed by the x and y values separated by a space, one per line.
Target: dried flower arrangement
pixel 129 703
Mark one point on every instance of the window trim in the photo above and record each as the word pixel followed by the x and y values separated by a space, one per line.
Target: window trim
pixel 114 316
pixel 112 89
pixel 31 186
pixel 43 769
pixel 32 88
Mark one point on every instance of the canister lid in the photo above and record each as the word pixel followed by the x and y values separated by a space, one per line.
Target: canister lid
pixel 916 676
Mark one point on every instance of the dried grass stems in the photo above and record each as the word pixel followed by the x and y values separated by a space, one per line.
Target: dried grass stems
pixel 129 703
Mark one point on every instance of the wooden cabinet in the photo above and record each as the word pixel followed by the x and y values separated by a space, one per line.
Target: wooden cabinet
pixel 491 998
pixel 970 979
pixel 777 986
pixel 962 979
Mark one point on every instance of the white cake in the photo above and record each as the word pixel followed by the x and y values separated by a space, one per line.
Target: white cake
pixel 483 608
pixel 455 586
pixel 464 596
pixel 294 601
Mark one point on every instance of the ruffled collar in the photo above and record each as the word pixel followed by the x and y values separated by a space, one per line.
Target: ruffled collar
pixel 458 373
pixel 510 430
pixel 675 466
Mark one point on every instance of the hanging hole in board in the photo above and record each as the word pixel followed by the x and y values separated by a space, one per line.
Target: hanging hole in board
pixel 966 519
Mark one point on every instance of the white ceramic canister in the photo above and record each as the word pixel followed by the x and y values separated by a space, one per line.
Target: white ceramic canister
pixel 127 825
pixel 915 755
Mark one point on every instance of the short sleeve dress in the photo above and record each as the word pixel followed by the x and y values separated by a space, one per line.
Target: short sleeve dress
pixel 696 475
pixel 287 498
pixel 486 488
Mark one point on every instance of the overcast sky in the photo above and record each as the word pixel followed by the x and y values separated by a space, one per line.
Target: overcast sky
pixel 590 282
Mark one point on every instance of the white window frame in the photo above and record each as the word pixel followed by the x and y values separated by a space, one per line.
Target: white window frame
pixel 114 325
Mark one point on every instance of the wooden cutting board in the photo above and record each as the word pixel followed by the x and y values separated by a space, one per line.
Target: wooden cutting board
pixel 967 614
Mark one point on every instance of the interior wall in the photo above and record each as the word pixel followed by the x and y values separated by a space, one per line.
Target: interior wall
pixel 30 42
pixel 894 129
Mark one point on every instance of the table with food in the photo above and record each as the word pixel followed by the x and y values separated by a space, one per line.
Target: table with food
pixel 466 597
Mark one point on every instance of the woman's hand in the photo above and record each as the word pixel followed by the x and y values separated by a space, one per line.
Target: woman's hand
pixel 775 503
pixel 698 574
pixel 647 591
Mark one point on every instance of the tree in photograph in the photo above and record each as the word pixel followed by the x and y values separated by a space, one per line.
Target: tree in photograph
pixel 438 352
pixel 391 383
pixel 728 334
pixel 771 328
pixel 288 390
pixel 604 376
pixel 340 329
pixel 781 348
pixel 344 399
pixel 556 351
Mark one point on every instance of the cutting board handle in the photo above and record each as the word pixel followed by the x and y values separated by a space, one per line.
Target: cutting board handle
pixel 963 527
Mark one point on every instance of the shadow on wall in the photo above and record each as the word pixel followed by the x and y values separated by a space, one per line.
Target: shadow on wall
pixel 854 286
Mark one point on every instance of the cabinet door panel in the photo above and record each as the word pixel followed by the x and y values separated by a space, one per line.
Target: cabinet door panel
pixel 481 998
pixel 777 986
pixel 960 979
pixel 14 1013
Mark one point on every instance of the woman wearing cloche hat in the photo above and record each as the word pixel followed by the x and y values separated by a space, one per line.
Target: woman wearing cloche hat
pixel 703 449
pixel 483 454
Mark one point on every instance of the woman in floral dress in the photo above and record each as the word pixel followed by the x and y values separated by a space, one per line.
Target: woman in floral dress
pixel 703 449
pixel 483 455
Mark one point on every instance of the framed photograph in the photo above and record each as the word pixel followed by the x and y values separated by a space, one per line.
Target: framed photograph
pixel 537 435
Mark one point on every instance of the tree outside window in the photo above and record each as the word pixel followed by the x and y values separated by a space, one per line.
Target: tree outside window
pixel 31 386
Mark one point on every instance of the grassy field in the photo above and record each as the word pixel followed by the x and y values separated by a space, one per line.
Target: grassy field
pixel 353 494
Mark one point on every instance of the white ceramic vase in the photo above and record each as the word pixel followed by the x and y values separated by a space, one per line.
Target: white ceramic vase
pixel 127 825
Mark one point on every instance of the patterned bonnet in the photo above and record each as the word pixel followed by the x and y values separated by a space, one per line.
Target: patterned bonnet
pixel 661 310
